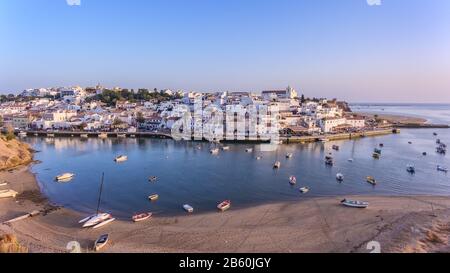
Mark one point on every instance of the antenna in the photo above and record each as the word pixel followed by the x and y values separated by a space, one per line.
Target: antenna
pixel 100 193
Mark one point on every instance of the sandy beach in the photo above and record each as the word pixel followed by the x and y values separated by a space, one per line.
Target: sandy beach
pixel 400 224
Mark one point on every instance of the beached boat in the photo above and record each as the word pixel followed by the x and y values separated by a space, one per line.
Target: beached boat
pixel 103 135
pixel 355 203
pixel 3 184
pixel 304 189
pixel 121 158
pixel 410 168
pixel 188 208
pixel 141 217
pixel 153 197
pixel 153 178
pixel 101 242
pixel 277 165
pixel 8 193
pixel 225 205
pixel 64 177
pixel 340 177
pixel 289 155
pixel 442 169
pixel 104 223
pixel 371 180
pixel 248 150
pixel 292 180
pixel 335 147
pixel 214 151
pixel 96 219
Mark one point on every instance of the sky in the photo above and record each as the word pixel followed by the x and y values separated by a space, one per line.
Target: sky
pixel 398 51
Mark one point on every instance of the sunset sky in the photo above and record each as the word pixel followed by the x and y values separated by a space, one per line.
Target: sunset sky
pixel 396 52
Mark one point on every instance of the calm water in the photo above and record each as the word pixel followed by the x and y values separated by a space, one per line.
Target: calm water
pixel 189 175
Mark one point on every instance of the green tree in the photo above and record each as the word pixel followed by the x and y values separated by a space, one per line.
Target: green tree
pixel 140 117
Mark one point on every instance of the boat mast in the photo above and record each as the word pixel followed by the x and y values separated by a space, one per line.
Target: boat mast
pixel 100 193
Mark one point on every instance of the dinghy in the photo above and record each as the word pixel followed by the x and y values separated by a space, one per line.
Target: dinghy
pixel 121 158
pixel 340 177
pixel 277 165
pixel 141 217
pixel 371 180
pixel 354 203
pixel 153 197
pixel 289 155
pixel 8 194
pixel 64 177
pixel 225 205
pixel 101 242
pixel 304 189
pixel 188 208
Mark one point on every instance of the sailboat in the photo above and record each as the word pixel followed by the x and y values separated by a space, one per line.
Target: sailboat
pixel 98 219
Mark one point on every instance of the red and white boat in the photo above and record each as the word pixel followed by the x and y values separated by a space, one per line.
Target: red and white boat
pixel 292 180
pixel 224 205
pixel 141 217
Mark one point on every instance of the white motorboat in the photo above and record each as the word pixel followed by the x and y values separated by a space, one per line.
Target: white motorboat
pixel 354 203
pixel 64 177
pixel 22 134
pixel 225 148
pixel 442 169
pixel 121 158
pixel 8 193
pixel 188 208
pixel 214 151
pixel 340 177
pixel 249 150
pixel 289 155
pixel 277 165
pixel 97 219
pixel 304 189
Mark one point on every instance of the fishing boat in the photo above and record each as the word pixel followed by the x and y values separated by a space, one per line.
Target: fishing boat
pixel 153 178
pixel 225 205
pixel 103 135
pixel 329 160
pixel 410 168
pixel 121 158
pixel 141 217
pixel 225 148
pixel 96 219
pixel 442 169
pixel 340 177
pixel 8 193
pixel 22 134
pixel 214 151
pixel 277 165
pixel 289 155
pixel 304 189
pixel 355 203
pixel 64 177
pixel 335 147
pixel 371 180
pixel 248 150
pixel 101 242
pixel 153 197
pixel 376 155
pixel 292 180
pixel 188 208
pixel 104 223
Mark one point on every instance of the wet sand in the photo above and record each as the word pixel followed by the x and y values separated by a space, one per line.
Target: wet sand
pixel 396 119
pixel 400 224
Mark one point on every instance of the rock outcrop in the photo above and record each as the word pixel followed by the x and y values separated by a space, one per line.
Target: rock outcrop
pixel 14 153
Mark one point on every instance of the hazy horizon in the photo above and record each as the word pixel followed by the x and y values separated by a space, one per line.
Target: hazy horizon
pixel 396 52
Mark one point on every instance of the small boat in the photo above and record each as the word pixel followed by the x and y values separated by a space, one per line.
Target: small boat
pixel 377 151
pixel 50 135
pixel 438 141
pixel 381 145
pixel 153 178
pixel 410 169
pixel 94 220
pixel 8 193
pixel 225 205
pixel 304 189
pixel 153 197
pixel 188 208
pixel 324 140
pixel 3 184
pixel 84 136
pixel 292 180
pixel 350 160
pixel 371 180
pixel 214 151
pixel 424 153
pixel 141 217
pixel 133 136
pixel 258 157
pixel 409 142
pixel 104 223
pixel 441 150
pixel 121 135
pixel 84 220
pixel 248 150
pixel 64 177
pixel 355 204
pixel 442 169
pixel 103 135
pixel 435 134
pixel 329 160
pixel 23 134
pixel 121 158
pixel 277 165
pixel 101 242
pixel 225 148
pixel 289 155
pixel 376 155
pixel 335 147
pixel 340 177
